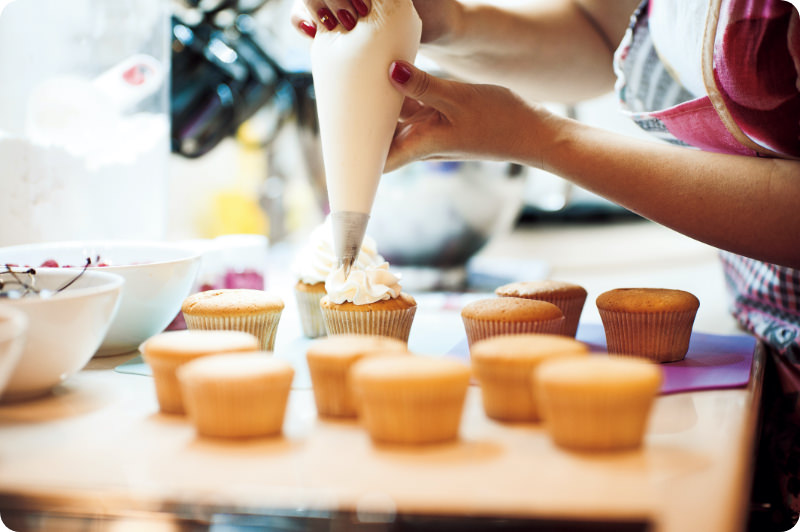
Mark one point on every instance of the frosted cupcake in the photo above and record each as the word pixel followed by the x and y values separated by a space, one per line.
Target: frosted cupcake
pixel 569 297
pixel 510 315
pixel 253 311
pixel 311 267
pixel 369 301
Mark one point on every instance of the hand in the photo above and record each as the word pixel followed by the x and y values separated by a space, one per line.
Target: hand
pixel 307 14
pixel 449 120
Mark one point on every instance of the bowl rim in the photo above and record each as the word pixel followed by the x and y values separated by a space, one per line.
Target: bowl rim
pixel 113 281
pixel 189 253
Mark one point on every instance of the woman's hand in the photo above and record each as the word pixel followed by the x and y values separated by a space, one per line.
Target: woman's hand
pixel 449 120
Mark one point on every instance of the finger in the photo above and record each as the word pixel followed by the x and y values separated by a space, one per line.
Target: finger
pixel 417 84
pixel 302 20
pixel 409 109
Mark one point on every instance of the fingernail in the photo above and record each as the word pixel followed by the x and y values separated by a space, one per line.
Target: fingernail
pixel 326 17
pixel 360 6
pixel 400 73
pixel 308 28
pixel 347 19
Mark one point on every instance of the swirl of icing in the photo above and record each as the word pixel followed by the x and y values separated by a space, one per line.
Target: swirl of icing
pixel 363 286
pixel 317 259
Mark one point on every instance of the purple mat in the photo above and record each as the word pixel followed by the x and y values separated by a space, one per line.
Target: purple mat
pixel 713 361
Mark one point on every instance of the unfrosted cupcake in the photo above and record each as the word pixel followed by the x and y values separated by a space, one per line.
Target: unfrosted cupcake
pixel 569 297
pixel 410 399
pixel 329 361
pixel 503 365
pixel 510 315
pixel 652 323
pixel 254 311
pixel 166 352
pixel 312 265
pixel 369 301
pixel 597 403
pixel 236 395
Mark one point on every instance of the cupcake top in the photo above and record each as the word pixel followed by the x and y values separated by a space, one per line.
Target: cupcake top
pixel 256 365
pixel 546 287
pixel 522 349
pixel 614 374
pixel 343 347
pixel 189 344
pixel 316 259
pixel 511 309
pixel 408 373
pixel 643 300
pixel 231 301
pixel 363 286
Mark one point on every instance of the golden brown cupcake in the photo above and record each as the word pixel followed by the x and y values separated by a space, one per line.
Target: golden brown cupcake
pixel 510 315
pixel 236 395
pixel 410 399
pixel 329 361
pixel 254 311
pixel 308 297
pixel 652 323
pixel 597 403
pixel 388 317
pixel 569 297
pixel 167 351
pixel 503 366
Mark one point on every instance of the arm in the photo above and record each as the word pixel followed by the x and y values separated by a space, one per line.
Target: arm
pixel 746 205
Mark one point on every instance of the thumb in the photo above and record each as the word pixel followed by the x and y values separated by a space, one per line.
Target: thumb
pixel 416 84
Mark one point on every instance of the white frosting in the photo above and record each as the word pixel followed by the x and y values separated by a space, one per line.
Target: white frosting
pixel 317 259
pixel 363 286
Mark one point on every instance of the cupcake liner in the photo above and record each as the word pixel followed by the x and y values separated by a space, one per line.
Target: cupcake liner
pixel 571 306
pixel 660 337
pixel 263 326
pixel 480 329
pixel 310 314
pixel 392 323
pixel 168 391
pixel 332 393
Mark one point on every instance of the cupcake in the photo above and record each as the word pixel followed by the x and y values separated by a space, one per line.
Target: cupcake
pixel 252 311
pixel 597 403
pixel 566 296
pixel 510 315
pixel 329 361
pixel 410 399
pixel 236 395
pixel 652 323
pixel 503 366
pixel 369 301
pixel 311 267
pixel 167 351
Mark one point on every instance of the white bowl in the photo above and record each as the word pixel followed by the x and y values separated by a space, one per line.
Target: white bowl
pixel 158 277
pixel 13 328
pixel 64 329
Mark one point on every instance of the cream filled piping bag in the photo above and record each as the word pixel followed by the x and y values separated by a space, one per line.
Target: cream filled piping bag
pixel 358 110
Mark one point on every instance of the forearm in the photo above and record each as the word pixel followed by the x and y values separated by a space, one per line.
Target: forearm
pixel 746 205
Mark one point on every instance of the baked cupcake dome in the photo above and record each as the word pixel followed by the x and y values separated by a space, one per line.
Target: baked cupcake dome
pixel 388 317
pixel 236 395
pixel 568 297
pixel 308 297
pixel 410 399
pixel 652 323
pixel 166 352
pixel 329 362
pixel 597 403
pixel 503 365
pixel 254 311
pixel 510 315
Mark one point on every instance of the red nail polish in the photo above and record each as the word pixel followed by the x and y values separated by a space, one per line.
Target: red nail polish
pixel 308 28
pixel 327 18
pixel 360 7
pixel 347 19
pixel 400 73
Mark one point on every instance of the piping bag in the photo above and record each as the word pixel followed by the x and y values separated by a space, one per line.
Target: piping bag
pixel 358 108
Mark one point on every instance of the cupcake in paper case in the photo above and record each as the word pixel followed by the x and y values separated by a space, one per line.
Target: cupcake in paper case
pixel 489 317
pixel 568 297
pixel 652 323
pixel 254 311
pixel 312 265
pixel 503 366
pixel 329 362
pixel 236 395
pixel 369 301
pixel 166 352
pixel 411 399
pixel 597 403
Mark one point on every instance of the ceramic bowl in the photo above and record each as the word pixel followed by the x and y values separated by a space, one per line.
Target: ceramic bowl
pixel 158 276
pixel 65 328
pixel 13 330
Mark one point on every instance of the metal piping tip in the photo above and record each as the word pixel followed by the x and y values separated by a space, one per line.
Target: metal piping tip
pixel 347 264
pixel 348 234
